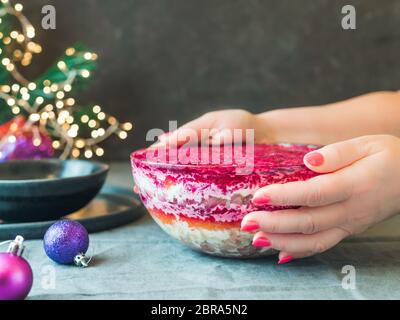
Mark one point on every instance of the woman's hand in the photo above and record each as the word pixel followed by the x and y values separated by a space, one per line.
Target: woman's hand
pixel 220 125
pixel 361 187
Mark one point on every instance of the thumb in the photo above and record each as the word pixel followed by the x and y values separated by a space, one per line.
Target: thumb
pixel 338 155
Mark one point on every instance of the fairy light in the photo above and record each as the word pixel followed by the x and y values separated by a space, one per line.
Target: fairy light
pixel 18 54
pixel 46 90
pixel 14 34
pixel 85 118
pixel 34 117
pixel 49 107
pixel 122 135
pixel 32 86
pixel 39 100
pixel 30 32
pixel 88 153
pixel 80 143
pixel 127 126
pixel 99 152
pixel 5 61
pixel 92 123
pixel 20 38
pixel 70 51
pixel 61 65
pixel 60 95
pixel 85 73
pixel 6 88
pixel 56 144
pixel 18 7
pixel 45 115
pixel 27 98
pixel 112 121
pixel 15 110
pixel 75 153
pixel 101 116
pixel 96 109
pixel 101 132
pixel 23 90
pixel 37 142
pixel 70 101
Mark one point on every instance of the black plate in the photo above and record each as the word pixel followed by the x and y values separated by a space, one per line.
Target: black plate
pixel 38 190
pixel 111 208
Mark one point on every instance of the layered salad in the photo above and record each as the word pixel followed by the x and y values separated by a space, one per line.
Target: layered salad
pixel 200 194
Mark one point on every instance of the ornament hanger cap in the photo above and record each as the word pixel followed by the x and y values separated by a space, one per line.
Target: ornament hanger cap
pixel 17 246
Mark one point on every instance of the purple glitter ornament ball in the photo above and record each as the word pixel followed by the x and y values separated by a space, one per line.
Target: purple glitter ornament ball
pixel 64 240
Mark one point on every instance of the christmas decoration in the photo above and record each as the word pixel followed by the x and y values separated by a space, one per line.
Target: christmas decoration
pixel 47 103
pixel 66 242
pixel 16 275
pixel 24 142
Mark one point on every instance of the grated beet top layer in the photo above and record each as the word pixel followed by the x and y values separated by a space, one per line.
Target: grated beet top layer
pixel 211 184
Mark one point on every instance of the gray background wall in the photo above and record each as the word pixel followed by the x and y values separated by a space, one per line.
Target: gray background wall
pixel 176 59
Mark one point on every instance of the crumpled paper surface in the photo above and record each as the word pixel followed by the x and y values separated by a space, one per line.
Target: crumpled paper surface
pixel 140 261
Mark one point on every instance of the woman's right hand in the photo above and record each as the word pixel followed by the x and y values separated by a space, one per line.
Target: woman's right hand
pixel 220 126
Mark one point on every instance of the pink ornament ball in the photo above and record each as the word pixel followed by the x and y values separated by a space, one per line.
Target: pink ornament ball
pixel 16 277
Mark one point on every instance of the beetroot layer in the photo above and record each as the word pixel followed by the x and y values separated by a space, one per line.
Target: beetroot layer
pixel 216 193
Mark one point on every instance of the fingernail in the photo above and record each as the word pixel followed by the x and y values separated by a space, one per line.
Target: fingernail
pixel 261 200
pixel 261 242
pixel 314 158
pixel 285 260
pixel 250 226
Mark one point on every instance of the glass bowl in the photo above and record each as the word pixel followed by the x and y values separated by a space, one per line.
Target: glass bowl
pixel 199 195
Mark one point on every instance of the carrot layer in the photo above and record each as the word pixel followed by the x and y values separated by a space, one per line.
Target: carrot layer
pixel 193 222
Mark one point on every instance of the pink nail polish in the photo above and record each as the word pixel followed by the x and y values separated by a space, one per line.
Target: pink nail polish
pixel 261 242
pixel 250 226
pixel 314 158
pixel 285 260
pixel 262 200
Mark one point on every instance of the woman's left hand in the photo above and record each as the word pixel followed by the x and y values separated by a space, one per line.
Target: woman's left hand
pixel 360 187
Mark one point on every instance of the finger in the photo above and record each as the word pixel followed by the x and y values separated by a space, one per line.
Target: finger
pixel 188 130
pixel 220 137
pixel 318 191
pixel 338 155
pixel 301 243
pixel 286 257
pixel 303 220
